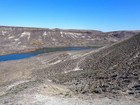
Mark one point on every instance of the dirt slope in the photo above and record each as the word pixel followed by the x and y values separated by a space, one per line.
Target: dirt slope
pixel 114 69
pixel 14 39
pixel 54 78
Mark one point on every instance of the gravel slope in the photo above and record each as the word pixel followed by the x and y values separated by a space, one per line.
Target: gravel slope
pixel 107 76
pixel 115 69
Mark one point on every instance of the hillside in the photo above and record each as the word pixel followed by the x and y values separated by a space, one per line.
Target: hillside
pixel 114 69
pixel 13 39
pixel 109 75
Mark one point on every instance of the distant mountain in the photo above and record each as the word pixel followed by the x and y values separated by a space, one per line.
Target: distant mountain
pixel 14 39
pixel 113 69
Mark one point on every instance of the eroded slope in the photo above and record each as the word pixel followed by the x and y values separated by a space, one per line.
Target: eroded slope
pixel 115 69
pixel 14 39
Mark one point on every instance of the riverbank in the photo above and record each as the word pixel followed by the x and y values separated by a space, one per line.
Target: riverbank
pixel 26 82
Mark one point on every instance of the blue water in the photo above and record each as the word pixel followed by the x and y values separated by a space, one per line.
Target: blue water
pixel 18 56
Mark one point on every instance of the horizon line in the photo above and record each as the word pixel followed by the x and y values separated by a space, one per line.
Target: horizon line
pixel 36 27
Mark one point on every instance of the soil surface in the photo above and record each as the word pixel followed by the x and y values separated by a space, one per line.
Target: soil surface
pixel 109 75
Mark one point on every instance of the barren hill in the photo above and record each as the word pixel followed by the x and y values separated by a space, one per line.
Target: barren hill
pixel 114 69
pixel 52 78
pixel 14 39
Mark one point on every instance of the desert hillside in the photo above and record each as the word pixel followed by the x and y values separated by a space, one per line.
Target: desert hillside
pixel 108 75
pixel 114 69
pixel 13 39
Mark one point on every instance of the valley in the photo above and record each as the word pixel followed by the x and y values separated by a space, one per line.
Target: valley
pixel 25 39
pixel 108 73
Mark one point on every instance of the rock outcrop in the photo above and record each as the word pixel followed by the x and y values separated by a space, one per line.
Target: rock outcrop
pixel 14 39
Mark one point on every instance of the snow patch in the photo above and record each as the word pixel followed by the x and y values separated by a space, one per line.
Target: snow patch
pixel 56 62
pixel 71 33
pixel 10 37
pixel 16 39
pixel 29 37
pixel 83 36
pixel 53 39
pixel 61 33
pixel 89 36
pixel 26 34
pixel 75 69
pixel 72 36
pixel 45 33
pixel 49 80
pixel 137 55
pixel 3 32
pixel 75 56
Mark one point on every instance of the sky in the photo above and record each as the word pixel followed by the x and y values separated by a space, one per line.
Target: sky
pixel 103 15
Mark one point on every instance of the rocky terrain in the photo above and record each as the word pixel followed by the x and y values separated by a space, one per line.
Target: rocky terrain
pixel 28 82
pixel 109 75
pixel 114 69
pixel 13 39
